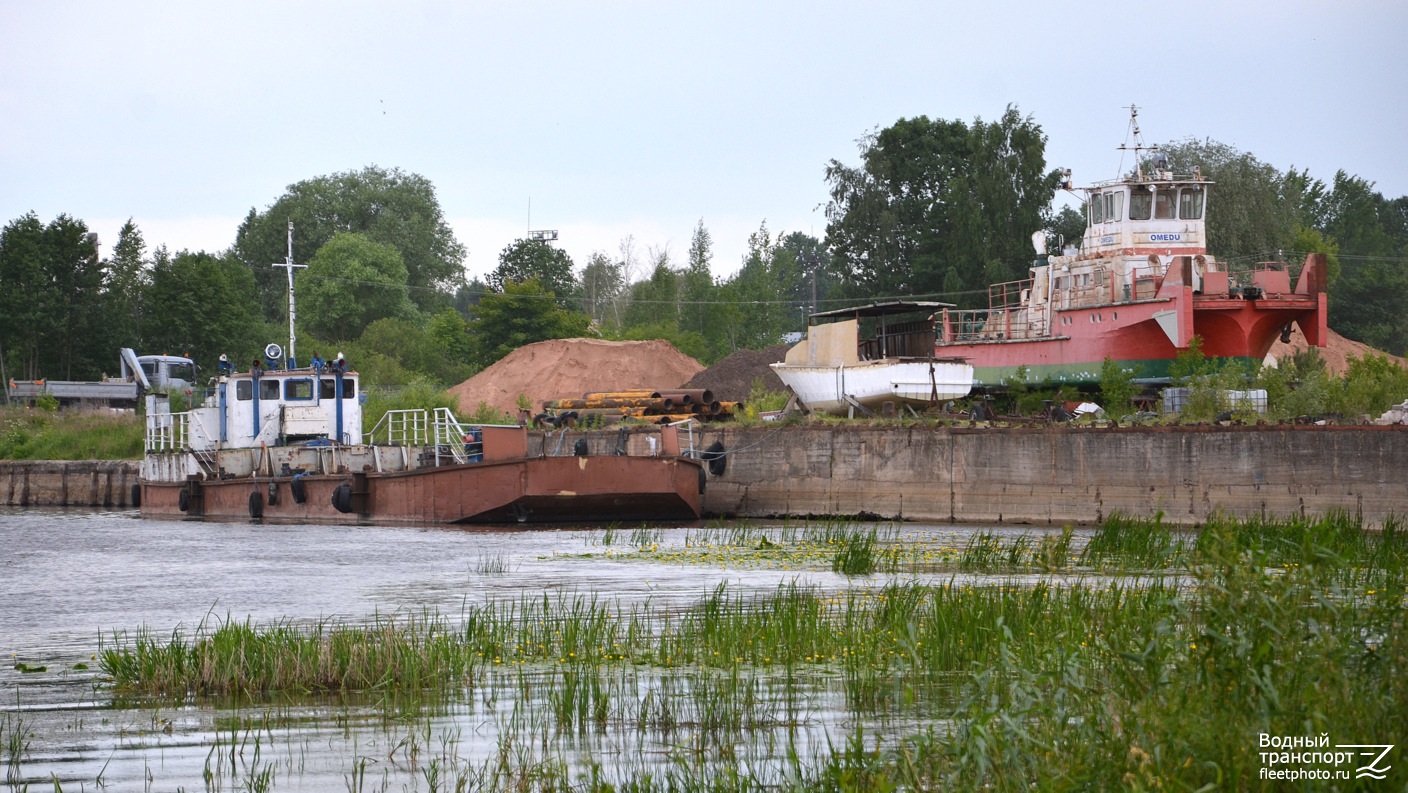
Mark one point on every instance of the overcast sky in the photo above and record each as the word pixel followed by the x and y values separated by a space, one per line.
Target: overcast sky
pixel 641 118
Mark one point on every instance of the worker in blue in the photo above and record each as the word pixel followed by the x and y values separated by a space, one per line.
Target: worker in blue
pixel 225 367
pixel 316 364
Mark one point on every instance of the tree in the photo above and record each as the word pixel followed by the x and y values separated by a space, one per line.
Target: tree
pixel 52 321
pixel 392 207
pixel 201 304
pixel 697 289
pixel 534 259
pixel 124 279
pixel 938 206
pixel 656 299
pixel 757 309
pixel 350 283
pixel 602 284
pixel 523 313
pixel 1249 216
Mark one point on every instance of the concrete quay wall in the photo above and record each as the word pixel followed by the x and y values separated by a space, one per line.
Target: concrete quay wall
pixel 67 483
pixel 1060 474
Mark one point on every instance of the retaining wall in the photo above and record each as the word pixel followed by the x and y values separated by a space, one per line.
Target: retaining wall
pixel 1060 474
pixel 67 483
pixel 1049 475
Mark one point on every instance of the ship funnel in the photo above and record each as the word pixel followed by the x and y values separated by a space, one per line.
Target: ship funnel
pixel 1039 242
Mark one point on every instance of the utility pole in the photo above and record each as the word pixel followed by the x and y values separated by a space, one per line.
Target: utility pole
pixel 289 266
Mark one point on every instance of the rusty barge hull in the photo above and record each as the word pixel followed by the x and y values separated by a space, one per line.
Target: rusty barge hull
pixel 546 489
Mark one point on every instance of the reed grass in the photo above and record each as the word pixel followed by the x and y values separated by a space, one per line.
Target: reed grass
pixel 1288 627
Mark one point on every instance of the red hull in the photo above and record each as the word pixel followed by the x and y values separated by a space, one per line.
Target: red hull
pixel 564 489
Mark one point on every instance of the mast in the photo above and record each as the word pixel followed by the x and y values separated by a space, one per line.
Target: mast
pixel 289 266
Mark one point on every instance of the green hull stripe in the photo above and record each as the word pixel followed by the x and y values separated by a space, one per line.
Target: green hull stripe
pixel 1074 373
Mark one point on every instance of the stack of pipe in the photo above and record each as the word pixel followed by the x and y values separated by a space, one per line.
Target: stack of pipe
pixel 663 406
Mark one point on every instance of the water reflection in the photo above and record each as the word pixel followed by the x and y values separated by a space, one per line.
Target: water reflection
pixel 69 579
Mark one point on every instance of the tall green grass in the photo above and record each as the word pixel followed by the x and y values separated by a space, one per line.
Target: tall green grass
pixel 69 435
pixel 1165 681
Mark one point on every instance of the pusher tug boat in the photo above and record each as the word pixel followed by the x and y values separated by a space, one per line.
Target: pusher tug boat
pixel 1139 289
pixel 287 445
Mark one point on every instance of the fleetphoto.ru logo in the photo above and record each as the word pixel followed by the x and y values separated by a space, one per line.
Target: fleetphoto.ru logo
pixel 1295 757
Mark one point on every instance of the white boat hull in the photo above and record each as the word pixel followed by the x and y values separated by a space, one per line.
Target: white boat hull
pixel 834 389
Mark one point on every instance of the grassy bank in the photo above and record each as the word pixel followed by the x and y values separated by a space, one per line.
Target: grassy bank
pixel 32 434
pixel 1159 663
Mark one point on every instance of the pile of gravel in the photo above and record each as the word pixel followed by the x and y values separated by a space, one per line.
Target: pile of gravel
pixel 732 379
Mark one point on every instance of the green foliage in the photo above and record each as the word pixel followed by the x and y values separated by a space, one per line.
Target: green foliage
pixel 488 414
pixel 688 342
pixel 389 207
pixel 603 282
pixel 350 283
pixel 47 435
pixel 930 198
pixel 203 305
pixel 52 300
pixel 419 395
pixel 521 314
pixel 1372 385
pixel 1189 363
pixel 526 260
pixel 398 351
pixel 1117 389
pixel 1250 214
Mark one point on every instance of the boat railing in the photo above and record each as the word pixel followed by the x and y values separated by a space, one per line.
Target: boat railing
pixel 167 432
pixel 410 427
pixel 994 324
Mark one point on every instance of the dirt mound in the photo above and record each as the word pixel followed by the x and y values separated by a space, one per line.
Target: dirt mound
pixel 568 368
pixel 1335 353
pixel 732 378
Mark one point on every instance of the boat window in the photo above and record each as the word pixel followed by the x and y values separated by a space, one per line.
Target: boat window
pixel 1097 209
pixel 1163 205
pixel 328 389
pixel 269 388
pixel 244 390
pixel 1114 207
pixel 298 389
pixel 1190 204
pixel 1141 201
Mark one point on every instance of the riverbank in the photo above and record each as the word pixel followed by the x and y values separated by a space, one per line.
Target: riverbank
pixel 1040 476
pixel 1060 474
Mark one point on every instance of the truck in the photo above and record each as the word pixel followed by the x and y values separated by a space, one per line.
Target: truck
pixel 138 374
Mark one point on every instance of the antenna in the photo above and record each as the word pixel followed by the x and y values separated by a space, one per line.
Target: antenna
pixel 1138 144
pixel 288 265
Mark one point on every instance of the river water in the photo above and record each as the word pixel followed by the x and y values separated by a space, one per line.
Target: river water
pixel 70 578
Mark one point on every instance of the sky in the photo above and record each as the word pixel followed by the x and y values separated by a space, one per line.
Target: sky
pixel 613 121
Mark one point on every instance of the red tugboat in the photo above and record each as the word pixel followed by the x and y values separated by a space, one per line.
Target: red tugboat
pixel 1140 288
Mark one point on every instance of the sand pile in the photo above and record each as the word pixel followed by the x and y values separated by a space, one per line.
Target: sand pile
pixel 732 378
pixel 1335 353
pixel 568 368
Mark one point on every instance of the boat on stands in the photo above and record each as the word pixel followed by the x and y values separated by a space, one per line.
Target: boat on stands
pixel 287 445
pixel 1139 289
pixel 837 370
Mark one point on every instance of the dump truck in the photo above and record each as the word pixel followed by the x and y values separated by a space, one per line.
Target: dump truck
pixel 138 374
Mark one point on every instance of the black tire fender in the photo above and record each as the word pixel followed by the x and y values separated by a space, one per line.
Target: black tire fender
pixel 256 505
pixel 299 490
pixel 716 458
pixel 342 498
pixel 703 479
pixel 136 496
pixel 183 501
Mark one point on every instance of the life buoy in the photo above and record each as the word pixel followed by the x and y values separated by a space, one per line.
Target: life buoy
pixel 136 495
pixel 256 505
pixel 299 490
pixel 342 498
pixel 183 501
pixel 716 457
